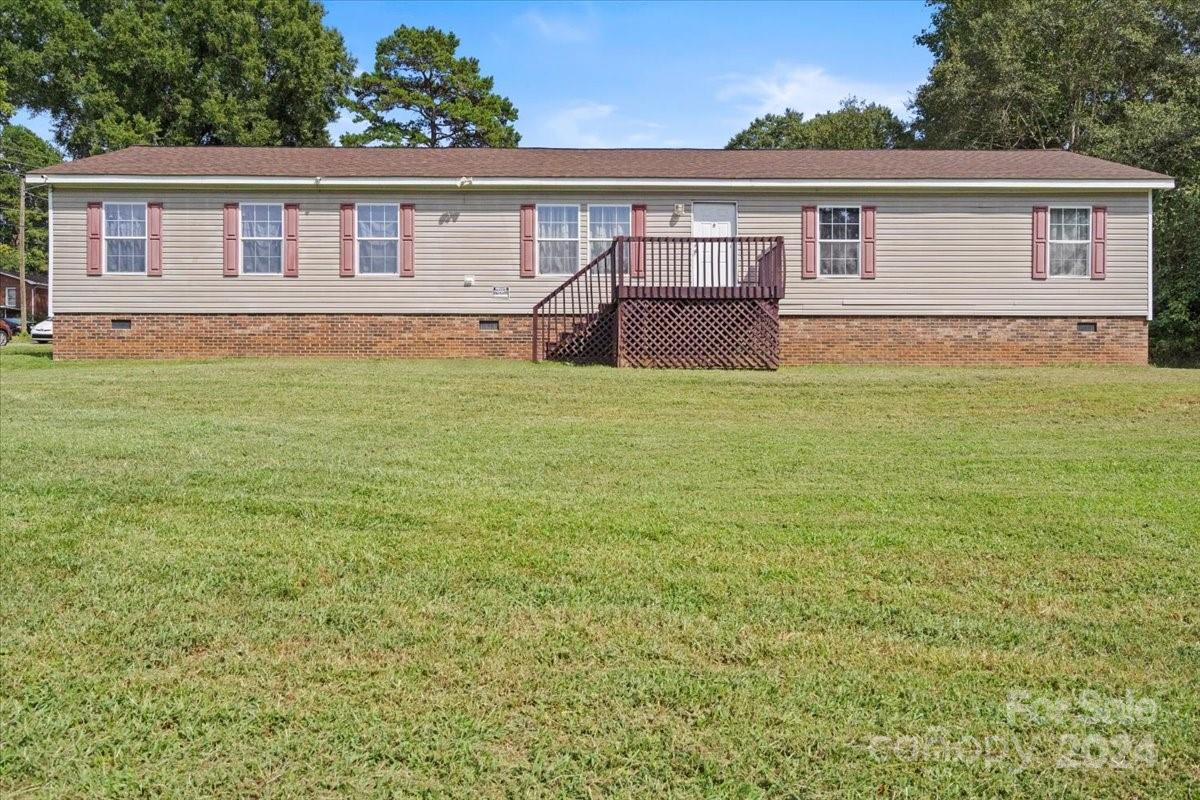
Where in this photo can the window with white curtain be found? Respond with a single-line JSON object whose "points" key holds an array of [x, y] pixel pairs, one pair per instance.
{"points": [[1070, 242], [838, 241], [558, 239], [605, 223], [124, 237], [262, 238], [378, 238]]}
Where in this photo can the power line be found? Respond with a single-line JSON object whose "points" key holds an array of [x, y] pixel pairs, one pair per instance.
{"points": [[22, 164]]}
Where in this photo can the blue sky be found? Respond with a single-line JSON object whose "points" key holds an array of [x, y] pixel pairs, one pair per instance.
{"points": [[667, 74]]}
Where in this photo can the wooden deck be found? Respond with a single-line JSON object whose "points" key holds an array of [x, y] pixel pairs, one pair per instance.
{"points": [[678, 302]]}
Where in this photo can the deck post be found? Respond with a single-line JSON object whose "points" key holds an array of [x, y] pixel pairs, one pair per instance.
{"points": [[618, 329], [533, 322], [619, 310]]}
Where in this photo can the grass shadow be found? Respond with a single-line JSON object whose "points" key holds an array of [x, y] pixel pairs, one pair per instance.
{"points": [[29, 349]]}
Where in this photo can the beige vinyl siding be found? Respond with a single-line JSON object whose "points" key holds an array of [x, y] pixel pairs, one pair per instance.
{"points": [[953, 253], [963, 254]]}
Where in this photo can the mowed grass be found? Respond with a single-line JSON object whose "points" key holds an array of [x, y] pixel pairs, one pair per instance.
{"points": [[272, 578]]}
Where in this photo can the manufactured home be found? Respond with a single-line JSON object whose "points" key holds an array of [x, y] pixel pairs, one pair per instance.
{"points": [[642, 257]]}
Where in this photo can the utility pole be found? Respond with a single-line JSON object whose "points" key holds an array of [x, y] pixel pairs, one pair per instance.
{"points": [[21, 254]]}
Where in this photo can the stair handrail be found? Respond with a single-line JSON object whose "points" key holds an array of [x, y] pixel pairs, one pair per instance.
{"points": [[551, 300]]}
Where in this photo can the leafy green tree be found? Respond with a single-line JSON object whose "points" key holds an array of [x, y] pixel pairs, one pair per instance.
{"points": [[1117, 79], [443, 100], [6, 108], [113, 73], [856, 125], [22, 150]]}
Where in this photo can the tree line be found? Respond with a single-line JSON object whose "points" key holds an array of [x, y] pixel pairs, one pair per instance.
{"points": [[1118, 79]]}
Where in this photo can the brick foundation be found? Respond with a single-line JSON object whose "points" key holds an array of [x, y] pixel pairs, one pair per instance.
{"points": [[962, 341], [348, 335], [802, 340]]}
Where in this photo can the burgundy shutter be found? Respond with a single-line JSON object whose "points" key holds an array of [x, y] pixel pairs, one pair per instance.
{"points": [[291, 240], [528, 221], [154, 213], [808, 267], [407, 221], [1099, 236], [346, 250], [95, 219], [867, 268], [230, 251], [1040, 221], [637, 227]]}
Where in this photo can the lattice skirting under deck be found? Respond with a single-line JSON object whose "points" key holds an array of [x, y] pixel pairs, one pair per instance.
{"points": [[699, 334]]}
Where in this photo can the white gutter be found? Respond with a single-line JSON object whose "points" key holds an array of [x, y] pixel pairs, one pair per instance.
{"points": [[461, 184]]}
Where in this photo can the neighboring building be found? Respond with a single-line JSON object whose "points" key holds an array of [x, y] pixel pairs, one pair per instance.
{"points": [[37, 295], [735, 258]]}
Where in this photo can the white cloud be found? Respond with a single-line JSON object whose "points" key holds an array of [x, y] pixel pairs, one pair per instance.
{"points": [[592, 124], [804, 87], [561, 29], [577, 125], [343, 124], [580, 124]]}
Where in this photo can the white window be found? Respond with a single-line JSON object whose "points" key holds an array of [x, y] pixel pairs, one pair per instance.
{"points": [[1070, 242], [124, 237], [378, 238], [838, 241], [10, 297], [558, 240], [262, 238], [605, 223]]}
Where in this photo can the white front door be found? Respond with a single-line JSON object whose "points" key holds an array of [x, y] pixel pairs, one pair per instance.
{"points": [[714, 263]]}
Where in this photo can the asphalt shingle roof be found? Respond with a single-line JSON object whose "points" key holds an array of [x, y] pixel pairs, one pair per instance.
{"points": [[535, 162]]}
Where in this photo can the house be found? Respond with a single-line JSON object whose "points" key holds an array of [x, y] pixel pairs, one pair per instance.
{"points": [[639, 256], [37, 295]]}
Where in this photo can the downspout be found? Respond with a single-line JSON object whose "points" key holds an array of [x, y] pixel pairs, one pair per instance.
{"points": [[1149, 255], [49, 250]]}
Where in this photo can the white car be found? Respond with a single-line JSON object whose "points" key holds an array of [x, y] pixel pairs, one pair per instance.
{"points": [[43, 331]]}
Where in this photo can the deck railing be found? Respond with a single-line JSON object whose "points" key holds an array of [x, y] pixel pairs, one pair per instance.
{"points": [[734, 267], [675, 266]]}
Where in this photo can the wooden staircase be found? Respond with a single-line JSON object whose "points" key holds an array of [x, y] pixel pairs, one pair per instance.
{"points": [[589, 340], [668, 302]]}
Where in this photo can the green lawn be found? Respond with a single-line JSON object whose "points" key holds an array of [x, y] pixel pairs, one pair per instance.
{"points": [[283, 577]]}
